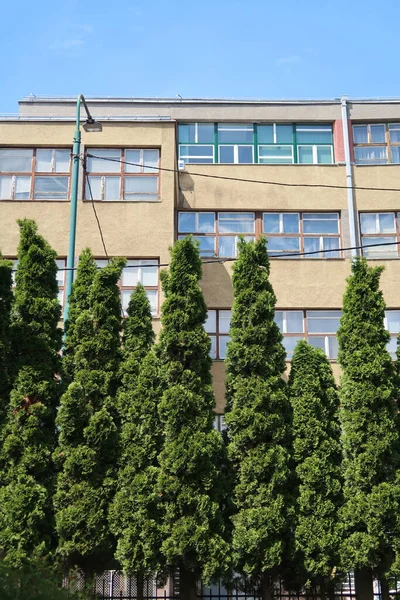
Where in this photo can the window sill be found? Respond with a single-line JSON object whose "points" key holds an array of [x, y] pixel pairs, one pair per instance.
{"points": [[86, 201], [260, 165], [35, 201]]}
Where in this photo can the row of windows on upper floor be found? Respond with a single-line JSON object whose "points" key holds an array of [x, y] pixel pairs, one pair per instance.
{"points": [[282, 143], [289, 233]]}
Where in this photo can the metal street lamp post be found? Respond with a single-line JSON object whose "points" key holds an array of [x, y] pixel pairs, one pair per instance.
{"points": [[90, 125]]}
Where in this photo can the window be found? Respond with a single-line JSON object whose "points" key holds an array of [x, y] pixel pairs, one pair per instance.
{"points": [[34, 174], [318, 327], [246, 143], [144, 271], [376, 143], [217, 326], [392, 324], [380, 228], [303, 232], [217, 233], [112, 180], [219, 423]]}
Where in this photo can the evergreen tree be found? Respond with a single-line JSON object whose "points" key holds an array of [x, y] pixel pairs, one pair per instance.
{"points": [[87, 450], [138, 337], [6, 298], [317, 457], [134, 517], [26, 474], [258, 417], [78, 304], [190, 484], [370, 437]]}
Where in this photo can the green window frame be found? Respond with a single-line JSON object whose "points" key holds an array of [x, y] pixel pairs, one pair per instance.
{"points": [[255, 143]]}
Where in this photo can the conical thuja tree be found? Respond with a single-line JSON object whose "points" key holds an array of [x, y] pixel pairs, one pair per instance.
{"points": [[370, 437], [26, 471], [78, 304], [87, 450], [190, 484], [6, 298], [134, 513], [317, 456], [258, 417], [138, 337]]}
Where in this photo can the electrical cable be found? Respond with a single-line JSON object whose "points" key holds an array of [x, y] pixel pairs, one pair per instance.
{"points": [[96, 215], [240, 179]]}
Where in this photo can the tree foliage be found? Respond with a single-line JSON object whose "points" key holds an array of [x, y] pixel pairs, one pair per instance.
{"points": [[258, 417], [368, 414], [87, 450], [6, 298], [317, 457], [189, 481], [26, 474]]}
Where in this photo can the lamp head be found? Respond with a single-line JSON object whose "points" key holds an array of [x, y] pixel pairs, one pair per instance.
{"points": [[92, 126]]}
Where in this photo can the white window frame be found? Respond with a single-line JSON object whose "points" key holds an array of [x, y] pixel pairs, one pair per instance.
{"points": [[236, 153], [275, 158], [187, 159], [315, 153]]}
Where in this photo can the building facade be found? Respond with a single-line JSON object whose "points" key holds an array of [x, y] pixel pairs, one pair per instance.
{"points": [[318, 178]]}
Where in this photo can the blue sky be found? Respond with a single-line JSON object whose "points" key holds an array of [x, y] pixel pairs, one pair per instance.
{"points": [[210, 48]]}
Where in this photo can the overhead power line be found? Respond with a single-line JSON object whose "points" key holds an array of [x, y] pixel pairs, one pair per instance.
{"points": [[243, 180]]}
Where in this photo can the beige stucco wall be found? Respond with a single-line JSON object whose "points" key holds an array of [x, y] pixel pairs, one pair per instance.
{"points": [[374, 111], [377, 176], [133, 229]]}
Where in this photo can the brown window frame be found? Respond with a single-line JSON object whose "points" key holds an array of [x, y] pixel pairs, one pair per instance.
{"points": [[258, 231], [122, 175], [386, 144], [217, 333], [33, 174], [395, 234], [125, 288]]}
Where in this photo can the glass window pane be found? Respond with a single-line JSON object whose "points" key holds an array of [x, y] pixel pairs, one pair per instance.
{"points": [[290, 222], [377, 134], [294, 321], [245, 154], [101, 165], [205, 223], [149, 273], [305, 155], [271, 223], [265, 134], [60, 273], [227, 246], [95, 186], [386, 223], [224, 320], [150, 161], [186, 133], [152, 296], [231, 133], [130, 274], [43, 160], [314, 134], [111, 188], [323, 321], [5, 188], [48, 188], [331, 246], [207, 244], [313, 244], [213, 349], [226, 154], [125, 298], [22, 188], [284, 134], [210, 325], [223, 343], [141, 188], [275, 154], [360, 134], [333, 347], [236, 222], [379, 251], [133, 156], [370, 155], [62, 160], [369, 223], [320, 223], [394, 129], [281, 244], [393, 321], [289, 343], [186, 222], [324, 155], [317, 342], [205, 133], [197, 154], [15, 160], [392, 347], [395, 154], [279, 319], [191, 222]]}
